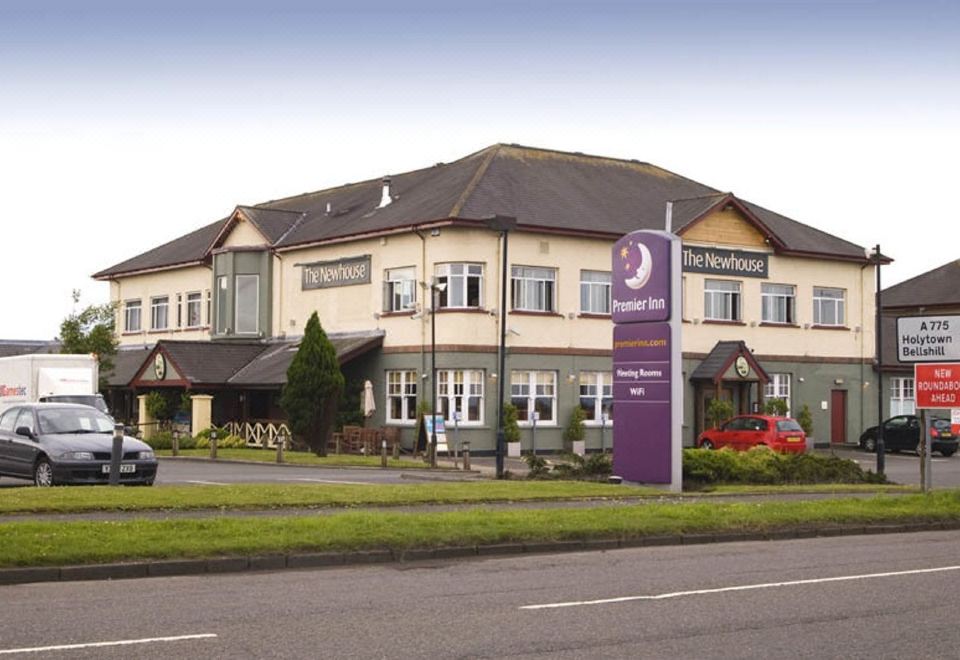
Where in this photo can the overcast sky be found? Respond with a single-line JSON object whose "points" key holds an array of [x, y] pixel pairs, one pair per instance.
{"points": [[124, 125]]}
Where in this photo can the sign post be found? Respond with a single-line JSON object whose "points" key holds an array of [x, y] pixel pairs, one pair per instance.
{"points": [[647, 387], [936, 386]]}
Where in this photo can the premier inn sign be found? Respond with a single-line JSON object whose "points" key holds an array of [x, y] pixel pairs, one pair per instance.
{"points": [[724, 262], [342, 272]]}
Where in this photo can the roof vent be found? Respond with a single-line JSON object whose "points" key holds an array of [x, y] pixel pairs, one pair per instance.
{"points": [[385, 198], [329, 208]]}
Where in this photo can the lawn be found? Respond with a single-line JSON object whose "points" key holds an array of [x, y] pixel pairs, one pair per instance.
{"points": [[39, 543]]}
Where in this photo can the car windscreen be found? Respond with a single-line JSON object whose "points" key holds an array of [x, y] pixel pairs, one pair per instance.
{"points": [[94, 400], [73, 420], [788, 425], [941, 424]]}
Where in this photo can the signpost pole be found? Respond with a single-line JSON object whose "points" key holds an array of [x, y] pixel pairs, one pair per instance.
{"points": [[924, 451], [879, 305]]}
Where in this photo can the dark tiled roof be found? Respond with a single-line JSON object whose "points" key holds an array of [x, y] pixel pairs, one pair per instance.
{"points": [[710, 368], [270, 367], [210, 362], [543, 189], [938, 287], [126, 364], [12, 347], [189, 248], [273, 224]]}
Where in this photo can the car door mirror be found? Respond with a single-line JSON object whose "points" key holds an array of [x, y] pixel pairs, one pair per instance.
{"points": [[25, 432]]}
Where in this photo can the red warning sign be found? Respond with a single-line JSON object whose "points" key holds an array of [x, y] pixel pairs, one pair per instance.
{"points": [[937, 385]]}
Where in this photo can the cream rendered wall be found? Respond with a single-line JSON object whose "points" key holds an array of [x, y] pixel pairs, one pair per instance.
{"points": [[244, 234], [169, 283], [854, 340], [357, 307]]}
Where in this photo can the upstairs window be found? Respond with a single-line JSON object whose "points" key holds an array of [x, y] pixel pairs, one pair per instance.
{"points": [[464, 285], [131, 316], [193, 310], [828, 306], [400, 290], [534, 289], [247, 304], [721, 300], [594, 292], [223, 321], [778, 303], [159, 312]]}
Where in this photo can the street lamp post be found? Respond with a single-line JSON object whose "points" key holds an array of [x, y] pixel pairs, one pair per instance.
{"points": [[879, 303], [502, 224], [434, 289]]}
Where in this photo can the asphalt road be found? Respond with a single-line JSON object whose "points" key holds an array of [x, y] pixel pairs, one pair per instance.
{"points": [[816, 598], [904, 468]]}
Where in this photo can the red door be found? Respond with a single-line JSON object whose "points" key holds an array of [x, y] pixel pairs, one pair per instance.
{"points": [[838, 416]]}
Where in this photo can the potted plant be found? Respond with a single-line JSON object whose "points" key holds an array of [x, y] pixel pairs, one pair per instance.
{"points": [[719, 411], [805, 420], [511, 430], [573, 434]]}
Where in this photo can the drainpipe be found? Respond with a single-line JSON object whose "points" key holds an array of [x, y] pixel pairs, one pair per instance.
{"points": [[423, 317]]}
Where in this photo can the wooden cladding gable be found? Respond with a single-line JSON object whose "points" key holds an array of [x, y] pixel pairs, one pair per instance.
{"points": [[726, 226]]}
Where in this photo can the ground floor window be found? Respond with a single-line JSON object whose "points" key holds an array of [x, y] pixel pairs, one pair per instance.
{"points": [[401, 397], [534, 391], [778, 387], [461, 391], [596, 397], [901, 396]]}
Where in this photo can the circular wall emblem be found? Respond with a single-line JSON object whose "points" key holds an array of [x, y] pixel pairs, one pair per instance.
{"points": [[160, 366], [742, 366]]}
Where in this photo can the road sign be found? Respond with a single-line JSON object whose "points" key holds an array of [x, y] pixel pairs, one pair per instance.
{"points": [[928, 338], [937, 385]]}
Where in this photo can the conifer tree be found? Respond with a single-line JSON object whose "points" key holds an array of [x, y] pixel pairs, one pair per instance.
{"points": [[313, 390]]}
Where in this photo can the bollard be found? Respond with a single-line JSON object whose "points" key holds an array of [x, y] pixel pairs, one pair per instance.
{"points": [[213, 444], [175, 447], [383, 453], [466, 455], [396, 449], [116, 453], [280, 440]]}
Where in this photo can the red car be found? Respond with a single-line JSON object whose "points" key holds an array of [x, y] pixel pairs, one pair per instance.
{"points": [[748, 431]]}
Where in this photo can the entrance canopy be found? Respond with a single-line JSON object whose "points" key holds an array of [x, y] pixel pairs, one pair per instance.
{"points": [[730, 361]]}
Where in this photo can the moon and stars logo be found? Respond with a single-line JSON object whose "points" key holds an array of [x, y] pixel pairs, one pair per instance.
{"points": [[636, 264]]}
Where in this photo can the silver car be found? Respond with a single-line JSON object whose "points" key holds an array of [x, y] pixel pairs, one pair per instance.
{"points": [[59, 443]]}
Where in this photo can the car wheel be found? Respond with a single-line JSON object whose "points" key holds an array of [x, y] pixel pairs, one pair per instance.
{"points": [[706, 444], [43, 473], [948, 452], [869, 444]]}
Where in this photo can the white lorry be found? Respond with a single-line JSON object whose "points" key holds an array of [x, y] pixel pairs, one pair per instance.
{"points": [[50, 377]]}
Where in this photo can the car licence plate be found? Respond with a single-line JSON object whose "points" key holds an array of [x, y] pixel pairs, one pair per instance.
{"points": [[125, 468], [793, 439]]}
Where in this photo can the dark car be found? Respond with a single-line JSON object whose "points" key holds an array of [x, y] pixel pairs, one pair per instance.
{"points": [[748, 431], [60, 443], [903, 433]]}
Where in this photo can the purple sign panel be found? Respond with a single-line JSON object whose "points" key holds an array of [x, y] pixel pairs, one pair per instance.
{"points": [[641, 278], [642, 436]]}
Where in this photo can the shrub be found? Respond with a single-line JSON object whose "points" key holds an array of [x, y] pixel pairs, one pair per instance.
{"points": [[805, 420], [161, 440], [777, 407], [511, 429], [575, 428], [596, 467], [719, 411], [703, 467], [158, 406]]}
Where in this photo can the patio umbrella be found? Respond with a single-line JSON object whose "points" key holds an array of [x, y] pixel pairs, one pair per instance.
{"points": [[367, 402]]}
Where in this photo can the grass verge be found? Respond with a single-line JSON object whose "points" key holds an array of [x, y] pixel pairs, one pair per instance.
{"points": [[277, 496], [298, 458], [58, 543]]}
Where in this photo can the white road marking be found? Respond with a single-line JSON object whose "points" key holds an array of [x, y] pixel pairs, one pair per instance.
{"points": [[90, 645], [743, 587], [206, 483], [331, 481]]}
